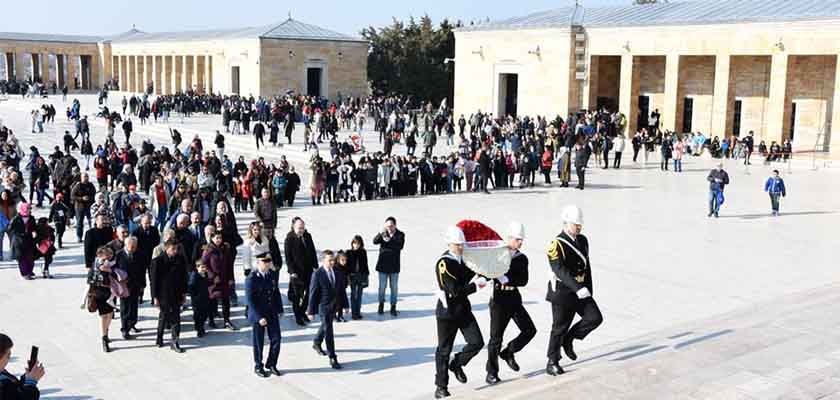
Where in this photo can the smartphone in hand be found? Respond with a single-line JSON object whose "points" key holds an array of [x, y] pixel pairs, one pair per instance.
{"points": [[33, 357]]}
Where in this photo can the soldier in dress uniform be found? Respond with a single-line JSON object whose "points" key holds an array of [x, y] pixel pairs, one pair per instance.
{"points": [[506, 304], [454, 312], [264, 306], [569, 289]]}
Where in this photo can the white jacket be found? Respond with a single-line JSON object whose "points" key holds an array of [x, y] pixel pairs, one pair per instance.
{"points": [[618, 144], [252, 250]]}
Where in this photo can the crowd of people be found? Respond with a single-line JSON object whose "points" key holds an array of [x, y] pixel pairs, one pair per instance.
{"points": [[166, 217]]}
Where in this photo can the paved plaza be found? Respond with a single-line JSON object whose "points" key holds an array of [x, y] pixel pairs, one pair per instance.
{"points": [[743, 306]]}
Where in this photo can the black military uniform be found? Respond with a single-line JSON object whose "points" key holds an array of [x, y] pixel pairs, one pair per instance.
{"points": [[454, 312], [569, 260], [505, 305]]}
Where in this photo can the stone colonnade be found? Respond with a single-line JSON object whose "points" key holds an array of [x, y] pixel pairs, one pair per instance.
{"points": [[164, 74], [79, 70]]}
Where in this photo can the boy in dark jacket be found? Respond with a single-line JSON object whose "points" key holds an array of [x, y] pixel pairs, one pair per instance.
{"points": [[198, 287], [59, 214]]}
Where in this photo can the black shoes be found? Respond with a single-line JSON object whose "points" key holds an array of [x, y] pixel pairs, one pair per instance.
{"points": [[259, 371], [127, 336], [106, 344], [275, 371], [201, 333], [231, 326], [381, 309], [508, 358], [492, 379], [135, 330], [458, 372], [394, 312], [159, 343], [569, 349], [212, 324], [334, 363], [300, 322], [319, 350], [441, 392], [554, 369], [357, 317], [176, 347]]}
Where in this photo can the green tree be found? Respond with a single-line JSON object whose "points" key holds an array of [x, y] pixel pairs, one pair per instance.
{"points": [[407, 58]]}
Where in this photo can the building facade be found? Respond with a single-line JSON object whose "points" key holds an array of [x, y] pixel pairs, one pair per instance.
{"points": [[261, 61], [768, 66]]}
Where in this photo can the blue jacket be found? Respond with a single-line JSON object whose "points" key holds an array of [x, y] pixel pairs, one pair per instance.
{"points": [[325, 295], [775, 185], [263, 296]]}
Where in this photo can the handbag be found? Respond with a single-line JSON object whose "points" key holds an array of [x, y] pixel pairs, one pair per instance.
{"points": [[90, 300]]}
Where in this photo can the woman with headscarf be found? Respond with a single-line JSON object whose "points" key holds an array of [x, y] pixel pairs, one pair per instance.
{"points": [[22, 228], [219, 261]]}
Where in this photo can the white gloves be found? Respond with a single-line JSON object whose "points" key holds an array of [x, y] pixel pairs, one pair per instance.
{"points": [[503, 279], [583, 293], [480, 282]]}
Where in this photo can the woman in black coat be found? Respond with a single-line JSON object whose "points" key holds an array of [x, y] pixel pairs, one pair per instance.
{"points": [[357, 264], [22, 232]]}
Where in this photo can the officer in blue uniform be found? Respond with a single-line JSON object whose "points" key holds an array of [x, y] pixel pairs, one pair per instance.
{"points": [[263, 298]]}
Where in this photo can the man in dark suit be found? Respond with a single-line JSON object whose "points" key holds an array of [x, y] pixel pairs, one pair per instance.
{"points": [[148, 237], [570, 290], [128, 259], [302, 261], [582, 153], [327, 286], [169, 291], [391, 241], [264, 306]]}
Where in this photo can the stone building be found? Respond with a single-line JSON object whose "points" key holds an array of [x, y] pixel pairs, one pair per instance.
{"points": [[721, 68], [264, 60]]}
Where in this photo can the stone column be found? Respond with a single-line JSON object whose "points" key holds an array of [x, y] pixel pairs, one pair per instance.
{"points": [[188, 72], [777, 110], [628, 97], [123, 73], [141, 73], [208, 74], [198, 76], [45, 67], [833, 144], [722, 102], [72, 61], [590, 93], [129, 74], [166, 77], [672, 83], [60, 65], [157, 66], [20, 66], [178, 73]]}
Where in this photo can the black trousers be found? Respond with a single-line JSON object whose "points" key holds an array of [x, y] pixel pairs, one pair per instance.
{"points": [[169, 315], [581, 174], [635, 153], [325, 331], [299, 297], [258, 341], [617, 161], [562, 313], [500, 315], [128, 313], [201, 311], [446, 331], [606, 157], [225, 300]]}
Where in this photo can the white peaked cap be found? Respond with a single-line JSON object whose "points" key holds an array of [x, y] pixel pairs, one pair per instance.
{"points": [[454, 235]]}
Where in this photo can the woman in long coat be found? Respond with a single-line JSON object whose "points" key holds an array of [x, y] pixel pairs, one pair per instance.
{"points": [[219, 261], [22, 228]]}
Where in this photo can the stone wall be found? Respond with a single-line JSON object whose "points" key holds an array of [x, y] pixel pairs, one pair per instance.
{"points": [[344, 66], [544, 80], [696, 81], [810, 85]]}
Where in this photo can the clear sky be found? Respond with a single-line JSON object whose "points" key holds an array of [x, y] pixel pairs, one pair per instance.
{"points": [[105, 17]]}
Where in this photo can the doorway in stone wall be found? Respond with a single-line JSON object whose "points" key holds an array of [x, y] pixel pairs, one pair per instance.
{"points": [[508, 94], [313, 81]]}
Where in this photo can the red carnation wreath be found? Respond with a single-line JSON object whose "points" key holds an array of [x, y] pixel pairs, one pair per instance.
{"points": [[484, 251]]}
